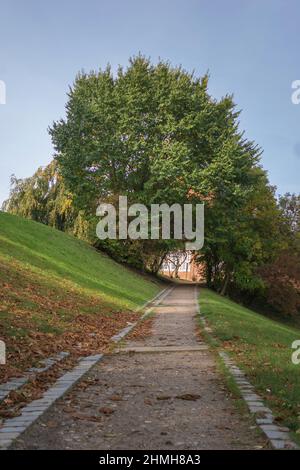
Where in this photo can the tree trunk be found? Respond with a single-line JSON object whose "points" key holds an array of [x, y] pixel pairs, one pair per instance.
{"points": [[208, 274], [224, 287]]}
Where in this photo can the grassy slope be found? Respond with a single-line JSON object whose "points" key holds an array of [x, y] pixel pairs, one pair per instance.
{"points": [[52, 284], [61, 257], [262, 348]]}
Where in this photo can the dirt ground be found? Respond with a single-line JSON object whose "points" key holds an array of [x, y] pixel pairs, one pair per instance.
{"points": [[159, 392]]}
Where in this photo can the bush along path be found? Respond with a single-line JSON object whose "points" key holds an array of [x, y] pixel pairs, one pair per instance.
{"points": [[160, 391]]}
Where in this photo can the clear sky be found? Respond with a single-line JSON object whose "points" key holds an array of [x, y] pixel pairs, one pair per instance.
{"points": [[250, 47]]}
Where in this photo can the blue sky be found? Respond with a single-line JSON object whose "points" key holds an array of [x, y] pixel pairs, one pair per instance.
{"points": [[249, 47]]}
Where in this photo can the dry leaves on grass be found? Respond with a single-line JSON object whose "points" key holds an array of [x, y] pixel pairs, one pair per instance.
{"points": [[44, 320], [87, 335]]}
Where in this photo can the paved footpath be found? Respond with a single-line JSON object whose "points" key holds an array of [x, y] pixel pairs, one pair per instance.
{"points": [[162, 392]]}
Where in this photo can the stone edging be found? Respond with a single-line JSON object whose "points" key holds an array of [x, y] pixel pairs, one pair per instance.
{"points": [[17, 382], [14, 427], [278, 436]]}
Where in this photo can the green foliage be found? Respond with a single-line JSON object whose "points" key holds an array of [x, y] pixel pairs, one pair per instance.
{"points": [[153, 133], [44, 198], [290, 206], [242, 238], [281, 274]]}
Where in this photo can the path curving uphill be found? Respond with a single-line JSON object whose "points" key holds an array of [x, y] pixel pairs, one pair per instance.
{"points": [[162, 392]]}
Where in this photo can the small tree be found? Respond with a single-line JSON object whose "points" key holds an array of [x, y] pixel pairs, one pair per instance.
{"points": [[176, 259], [43, 197]]}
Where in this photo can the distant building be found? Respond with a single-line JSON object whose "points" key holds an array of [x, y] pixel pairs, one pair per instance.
{"points": [[182, 265]]}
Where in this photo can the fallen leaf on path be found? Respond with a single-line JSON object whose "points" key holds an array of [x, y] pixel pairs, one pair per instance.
{"points": [[116, 398], [68, 409], [188, 396], [106, 411], [84, 417], [50, 424]]}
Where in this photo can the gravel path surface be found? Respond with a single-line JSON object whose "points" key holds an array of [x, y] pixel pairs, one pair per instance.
{"points": [[159, 399]]}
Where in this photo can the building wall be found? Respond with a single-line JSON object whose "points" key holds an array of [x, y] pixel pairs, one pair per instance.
{"points": [[189, 270]]}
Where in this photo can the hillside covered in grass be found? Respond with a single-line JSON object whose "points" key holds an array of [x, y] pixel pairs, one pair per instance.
{"points": [[58, 293], [262, 348]]}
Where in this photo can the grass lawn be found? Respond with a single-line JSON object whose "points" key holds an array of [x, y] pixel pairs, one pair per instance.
{"points": [[262, 348], [57, 292]]}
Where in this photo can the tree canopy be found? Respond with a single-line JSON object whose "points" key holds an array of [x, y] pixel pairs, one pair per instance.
{"points": [[153, 133]]}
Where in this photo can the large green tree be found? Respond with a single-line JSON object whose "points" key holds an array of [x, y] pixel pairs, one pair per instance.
{"points": [[153, 133]]}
